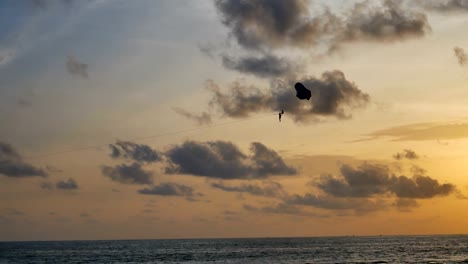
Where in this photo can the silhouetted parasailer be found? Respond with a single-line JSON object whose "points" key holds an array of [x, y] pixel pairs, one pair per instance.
{"points": [[302, 92], [280, 114]]}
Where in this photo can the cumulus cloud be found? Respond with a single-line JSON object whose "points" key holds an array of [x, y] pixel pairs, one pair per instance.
{"points": [[370, 180], [12, 164], [128, 174], [262, 24], [272, 24], [224, 160], [169, 189], [268, 189], [69, 184], [461, 55], [201, 119], [389, 22], [332, 95], [76, 68], [133, 151], [368, 188], [262, 66], [406, 154]]}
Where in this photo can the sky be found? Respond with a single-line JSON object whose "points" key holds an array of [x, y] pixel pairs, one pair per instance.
{"points": [[159, 119]]}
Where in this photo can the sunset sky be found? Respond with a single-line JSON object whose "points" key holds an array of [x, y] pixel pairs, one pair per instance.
{"points": [[159, 119]]}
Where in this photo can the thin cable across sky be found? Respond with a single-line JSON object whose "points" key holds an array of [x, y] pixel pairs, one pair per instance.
{"points": [[146, 137]]}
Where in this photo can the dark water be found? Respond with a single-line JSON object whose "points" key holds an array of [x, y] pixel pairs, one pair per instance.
{"points": [[383, 249]]}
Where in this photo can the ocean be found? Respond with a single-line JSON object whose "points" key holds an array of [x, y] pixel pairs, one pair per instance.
{"points": [[378, 249]]}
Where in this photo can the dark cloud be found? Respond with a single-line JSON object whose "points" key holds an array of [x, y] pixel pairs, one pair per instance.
{"points": [[208, 49], [268, 162], [24, 102], [359, 205], [133, 151], [269, 189], [461, 55], [372, 180], [12, 212], [261, 66], [446, 5], [240, 101], [51, 168], [69, 184], [128, 174], [332, 95], [369, 180], [224, 160], [49, 3], [422, 132], [47, 185], [281, 208], [76, 68], [168, 189], [201, 119], [389, 22], [271, 24], [421, 187], [12, 164], [406, 154], [262, 24]]}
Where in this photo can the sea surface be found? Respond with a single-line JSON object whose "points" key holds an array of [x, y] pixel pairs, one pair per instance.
{"points": [[379, 249]]}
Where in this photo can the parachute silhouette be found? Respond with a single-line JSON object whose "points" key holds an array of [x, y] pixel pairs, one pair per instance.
{"points": [[302, 92]]}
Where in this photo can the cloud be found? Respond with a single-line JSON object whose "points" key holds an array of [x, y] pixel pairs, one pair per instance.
{"points": [[128, 174], [224, 160], [201, 119], [262, 24], [168, 189], [12, 212], [51, 168], [461, 55], [269, 188], [242, 100], [368, 188], [273, 24], [421, 187], [6, 56], [387, 23], [268, 162], [422, 132], [406, 154], [446, 5], [265, 66], [281, 208], [12, 165], [332, 95], [370, 180], [76, 68], [47, 185], [133, 151], [359, 205], [48, 3], [69, 184]]}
